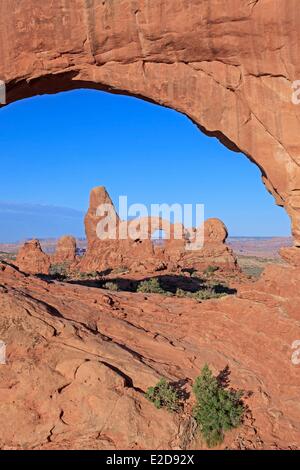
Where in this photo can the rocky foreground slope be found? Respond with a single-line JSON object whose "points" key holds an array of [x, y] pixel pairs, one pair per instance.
{"points": [[80, 359]]}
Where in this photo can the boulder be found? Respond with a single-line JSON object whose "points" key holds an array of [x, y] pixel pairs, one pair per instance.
{"points": [[213, 252]]}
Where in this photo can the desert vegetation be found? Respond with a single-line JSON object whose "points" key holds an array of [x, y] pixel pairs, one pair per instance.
{"points": [[7, 256], [164, 395], [192, 287], [211, 270], [205, 292], [151, 286], [217, 408], [112, 286], [210, 292], [59, 271]]}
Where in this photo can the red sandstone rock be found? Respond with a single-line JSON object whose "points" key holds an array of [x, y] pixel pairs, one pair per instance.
{"points": [[90, 358], [134, 252], [215, 231], [214, 252], [31, 258], [226, 66], [65, 251], [98, 197], [291, 255], [138, 253], [279, 280]]}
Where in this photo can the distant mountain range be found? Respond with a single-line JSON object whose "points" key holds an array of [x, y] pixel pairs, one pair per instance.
{"points": [[21, 221]]}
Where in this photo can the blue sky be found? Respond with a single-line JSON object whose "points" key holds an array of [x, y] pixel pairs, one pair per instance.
{"points": [[54, 149]]}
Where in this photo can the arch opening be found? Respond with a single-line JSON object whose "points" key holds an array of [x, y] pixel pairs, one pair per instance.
{"points": [[188, 170], [220, 87], [70, 81]]}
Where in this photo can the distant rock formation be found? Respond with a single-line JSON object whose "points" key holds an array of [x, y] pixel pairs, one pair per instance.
{"points": [[215, 252], [195, 249], [140, 254], [31, 258], [65, 251], [215, 231], [98, 197]]}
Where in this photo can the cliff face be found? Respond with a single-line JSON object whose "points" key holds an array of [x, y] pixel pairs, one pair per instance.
{"points": [[228, 65]]}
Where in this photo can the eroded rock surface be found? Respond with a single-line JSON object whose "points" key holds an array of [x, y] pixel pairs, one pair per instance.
{"points": [[137, 252], [31, 258], [76, 370], [215, 253], [99, 201], [291, 255], [65, 251]]}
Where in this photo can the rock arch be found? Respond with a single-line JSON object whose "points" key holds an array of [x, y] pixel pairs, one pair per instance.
{"points": [[229, 68]]}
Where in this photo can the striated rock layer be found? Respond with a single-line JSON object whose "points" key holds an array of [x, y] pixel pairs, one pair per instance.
{"points": [[76, 370], [229, 66]]}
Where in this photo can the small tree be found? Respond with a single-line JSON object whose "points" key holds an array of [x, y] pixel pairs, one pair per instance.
{"points": [[150, 286], [60, 271], [218, 410], [163, 395], [112, 286]]}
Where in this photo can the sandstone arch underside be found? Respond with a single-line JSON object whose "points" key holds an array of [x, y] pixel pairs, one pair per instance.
{"points": [[229, 65]]}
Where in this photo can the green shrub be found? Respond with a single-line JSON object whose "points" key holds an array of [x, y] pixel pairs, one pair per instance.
{"points": [[182, 293], [203, 294], [218, 410], [151, 286], [120, 270], [211, 269], [94, 275], [195, 275], [164, 395], [207, 293], [60, 271], [113, 286]]}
